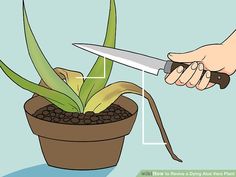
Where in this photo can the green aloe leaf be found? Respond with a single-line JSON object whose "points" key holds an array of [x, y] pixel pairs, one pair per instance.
{"points": [[43, 68], [92, 85], [59, 99]]}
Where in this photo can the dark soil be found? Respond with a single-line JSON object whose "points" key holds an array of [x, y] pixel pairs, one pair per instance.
{"points": [[51, 113]]}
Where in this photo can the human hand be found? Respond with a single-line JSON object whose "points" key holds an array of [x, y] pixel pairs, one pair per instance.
{"points": [[215, 57]]}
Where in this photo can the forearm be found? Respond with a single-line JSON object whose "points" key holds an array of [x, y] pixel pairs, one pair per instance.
{"points": [[230, 45], [231, 40]]}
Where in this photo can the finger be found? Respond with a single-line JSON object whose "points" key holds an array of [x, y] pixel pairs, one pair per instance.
{"points": [[187, 74], [210, 85], [205, 81], [195, 55], [174, 75], [196, 77]]}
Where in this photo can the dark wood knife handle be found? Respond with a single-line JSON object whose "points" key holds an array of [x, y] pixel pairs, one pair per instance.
{"points": [[216, 77]]}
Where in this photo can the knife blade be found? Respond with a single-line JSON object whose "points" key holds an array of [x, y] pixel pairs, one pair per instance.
{"points": [[146, 63]]}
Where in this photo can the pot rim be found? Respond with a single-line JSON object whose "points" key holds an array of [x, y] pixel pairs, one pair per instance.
{"points": [[27, 102], [84, 133]]}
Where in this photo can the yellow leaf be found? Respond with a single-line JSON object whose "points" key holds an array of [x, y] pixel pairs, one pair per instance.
{"points": [[105, 97], [73, 78]]}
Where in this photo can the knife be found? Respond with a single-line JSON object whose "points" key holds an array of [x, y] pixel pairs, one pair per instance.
{"points": [[147, 63]]}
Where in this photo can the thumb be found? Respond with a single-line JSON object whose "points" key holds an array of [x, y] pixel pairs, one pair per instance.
{"points": [[195, 55]]}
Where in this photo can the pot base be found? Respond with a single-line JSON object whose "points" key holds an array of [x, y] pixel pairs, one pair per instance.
{"points": [[81, 155]]}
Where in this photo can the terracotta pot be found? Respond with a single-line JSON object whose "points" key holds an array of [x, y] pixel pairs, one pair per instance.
{"points": [[80, 146]]}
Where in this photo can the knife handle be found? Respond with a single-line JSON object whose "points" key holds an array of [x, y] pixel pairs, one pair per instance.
{"points": [[216, 77]]}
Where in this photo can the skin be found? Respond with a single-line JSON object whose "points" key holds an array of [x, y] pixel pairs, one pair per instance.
{"points": [[213, 57]]}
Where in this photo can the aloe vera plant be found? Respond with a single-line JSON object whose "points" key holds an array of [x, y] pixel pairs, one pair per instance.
{"points": [[77, 94]]}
